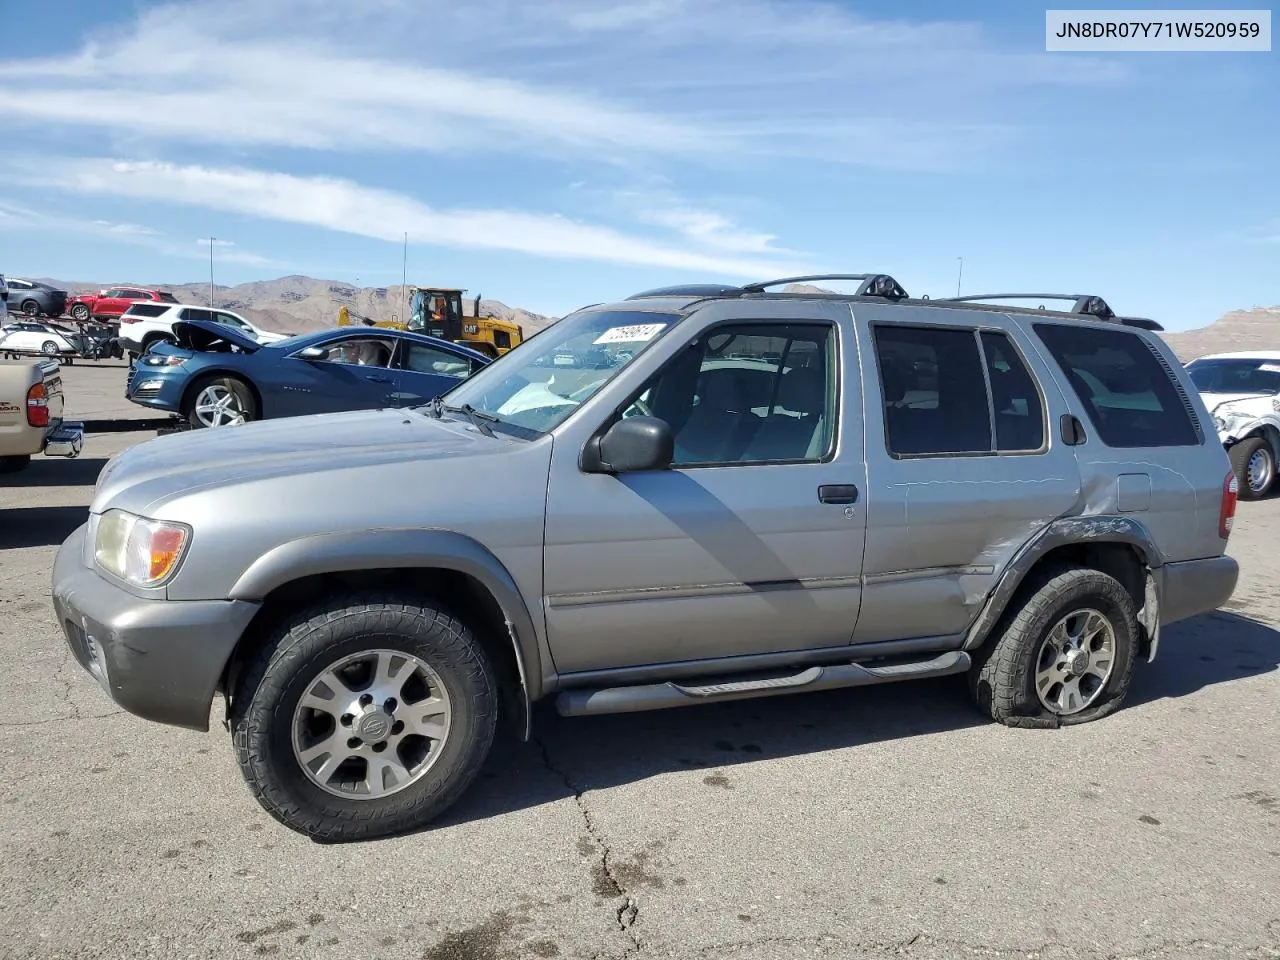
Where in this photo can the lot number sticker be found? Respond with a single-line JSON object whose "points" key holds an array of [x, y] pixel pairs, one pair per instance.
{"points": [[636, 333]]}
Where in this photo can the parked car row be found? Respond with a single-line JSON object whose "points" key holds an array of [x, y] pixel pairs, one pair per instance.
{"points": [[24, 337], [214, 374]]}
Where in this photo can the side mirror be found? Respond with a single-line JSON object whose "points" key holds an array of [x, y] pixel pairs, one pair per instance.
{"points": [[637, 443], [311, 353]]}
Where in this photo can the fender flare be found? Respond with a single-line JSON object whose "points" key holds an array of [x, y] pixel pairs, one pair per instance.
{"points": [[1075, 531], [402, 548]]}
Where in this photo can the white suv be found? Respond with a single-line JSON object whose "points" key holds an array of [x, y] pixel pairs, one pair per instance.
{"points": [[148, 322], [1242, 391]]}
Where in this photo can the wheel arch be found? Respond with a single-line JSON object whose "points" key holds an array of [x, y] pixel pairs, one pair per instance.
{"points": [[448, 567], [1116, 545]]}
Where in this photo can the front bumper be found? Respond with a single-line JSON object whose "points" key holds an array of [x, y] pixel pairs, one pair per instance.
{"points": [[154, 387], [1196, 586], [159, 659]]}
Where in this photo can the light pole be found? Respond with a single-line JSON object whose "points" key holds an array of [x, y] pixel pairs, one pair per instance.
{"points": [[211, 242], [961, 274]]}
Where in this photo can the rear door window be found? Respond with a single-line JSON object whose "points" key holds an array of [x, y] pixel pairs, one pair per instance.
{"points": [[935, 394], [1019, 412], [1128, 393]]}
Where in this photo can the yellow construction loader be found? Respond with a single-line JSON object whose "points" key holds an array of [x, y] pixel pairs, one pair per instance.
{"points": [[437, 312]]}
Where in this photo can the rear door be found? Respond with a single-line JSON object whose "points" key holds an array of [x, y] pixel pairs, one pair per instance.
{"points": [[424, 371], [964, 466]]}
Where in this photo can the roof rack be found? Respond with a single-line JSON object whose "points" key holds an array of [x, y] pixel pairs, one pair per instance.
{"points": [[1084, 304], [690, 290], [873, 284]]}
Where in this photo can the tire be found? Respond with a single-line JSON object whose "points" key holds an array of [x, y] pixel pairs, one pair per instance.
{"points": [[269, 726], [14, 464], [239, 403], [49, 348], [80, 312], [1003, 677], [1253, 457], [30, 308]]}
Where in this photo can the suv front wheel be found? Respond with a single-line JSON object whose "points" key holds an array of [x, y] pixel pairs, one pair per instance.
{"points": [[364, 717], [1065, 655]]}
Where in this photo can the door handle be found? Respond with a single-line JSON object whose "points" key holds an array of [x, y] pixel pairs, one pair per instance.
{"points": [[376, 379], [838, 493]]}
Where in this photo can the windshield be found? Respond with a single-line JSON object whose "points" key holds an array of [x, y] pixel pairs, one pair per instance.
{"points": [[543, 380], [1236, 376]]}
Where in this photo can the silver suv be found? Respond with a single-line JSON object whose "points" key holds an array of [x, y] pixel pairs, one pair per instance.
{"points": [[694, 495]]}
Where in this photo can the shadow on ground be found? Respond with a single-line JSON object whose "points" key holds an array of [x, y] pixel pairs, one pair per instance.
{"points": [[38, 526], [593, 753], [55, 472]]}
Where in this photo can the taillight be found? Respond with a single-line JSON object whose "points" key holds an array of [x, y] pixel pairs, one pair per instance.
{"points": [[127, 319], [38, 406], [1230, 490]]}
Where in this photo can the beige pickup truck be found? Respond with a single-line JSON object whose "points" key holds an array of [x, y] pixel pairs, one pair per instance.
{"points": [[31, 419]]}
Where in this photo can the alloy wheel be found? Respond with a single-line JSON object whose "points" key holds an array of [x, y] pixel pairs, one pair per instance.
{"points": [[1075, 662], [371, 724], [216, 406]]}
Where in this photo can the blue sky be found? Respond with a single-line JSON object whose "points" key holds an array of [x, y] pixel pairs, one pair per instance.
{"points": [[563, 152]]}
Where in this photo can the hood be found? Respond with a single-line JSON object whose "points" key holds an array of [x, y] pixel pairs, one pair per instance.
{"points": [[1215, 400], [143, 477], [206, 335]]}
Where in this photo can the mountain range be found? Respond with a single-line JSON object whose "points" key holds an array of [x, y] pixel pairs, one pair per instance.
{"points": [[297, 304]]}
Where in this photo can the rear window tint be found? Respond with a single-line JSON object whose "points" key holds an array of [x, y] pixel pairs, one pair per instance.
{"points": [[1128, 395], [146, 310]]}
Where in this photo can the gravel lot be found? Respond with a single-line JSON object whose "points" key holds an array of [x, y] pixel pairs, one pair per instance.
{"points": [[864, 823]]}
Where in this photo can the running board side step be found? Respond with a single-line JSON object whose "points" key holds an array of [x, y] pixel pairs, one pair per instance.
{"points": [[659, 696]]}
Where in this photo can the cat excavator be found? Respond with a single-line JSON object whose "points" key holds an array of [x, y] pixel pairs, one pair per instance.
{"points": [[437, 312]]}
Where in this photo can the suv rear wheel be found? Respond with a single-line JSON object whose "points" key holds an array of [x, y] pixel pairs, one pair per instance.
{"points": [[1064, 656], [364, 717]]}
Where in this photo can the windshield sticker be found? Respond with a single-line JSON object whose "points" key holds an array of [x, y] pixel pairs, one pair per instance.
{"points": [[636, 333]]}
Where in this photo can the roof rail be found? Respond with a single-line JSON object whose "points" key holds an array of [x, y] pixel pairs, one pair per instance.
{"points": [[690, 290], [1084, 304], [873, 284]]}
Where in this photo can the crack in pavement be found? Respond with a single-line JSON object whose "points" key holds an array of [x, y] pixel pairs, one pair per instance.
{"points": [[627, 914], [77, 715]]}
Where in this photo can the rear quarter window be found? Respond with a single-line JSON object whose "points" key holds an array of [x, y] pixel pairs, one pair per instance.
{"points": [[146, 310], [1129, 395]]}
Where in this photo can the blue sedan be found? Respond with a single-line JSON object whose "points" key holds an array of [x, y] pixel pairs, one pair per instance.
{"points": [[216, 376]]}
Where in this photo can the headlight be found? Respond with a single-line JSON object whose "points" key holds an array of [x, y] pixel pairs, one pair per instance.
{"points": [[141, 551], [163, 360]]}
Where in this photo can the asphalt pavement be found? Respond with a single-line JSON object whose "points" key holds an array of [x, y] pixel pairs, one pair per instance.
{"points": [[875, 822]]}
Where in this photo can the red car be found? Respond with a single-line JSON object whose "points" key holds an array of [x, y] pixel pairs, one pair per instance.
{"points": [[113, 302]]}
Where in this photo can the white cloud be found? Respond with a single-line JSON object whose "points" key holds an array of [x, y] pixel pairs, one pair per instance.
{"points": [[345, 206], [16, 218], [713, 80]]}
